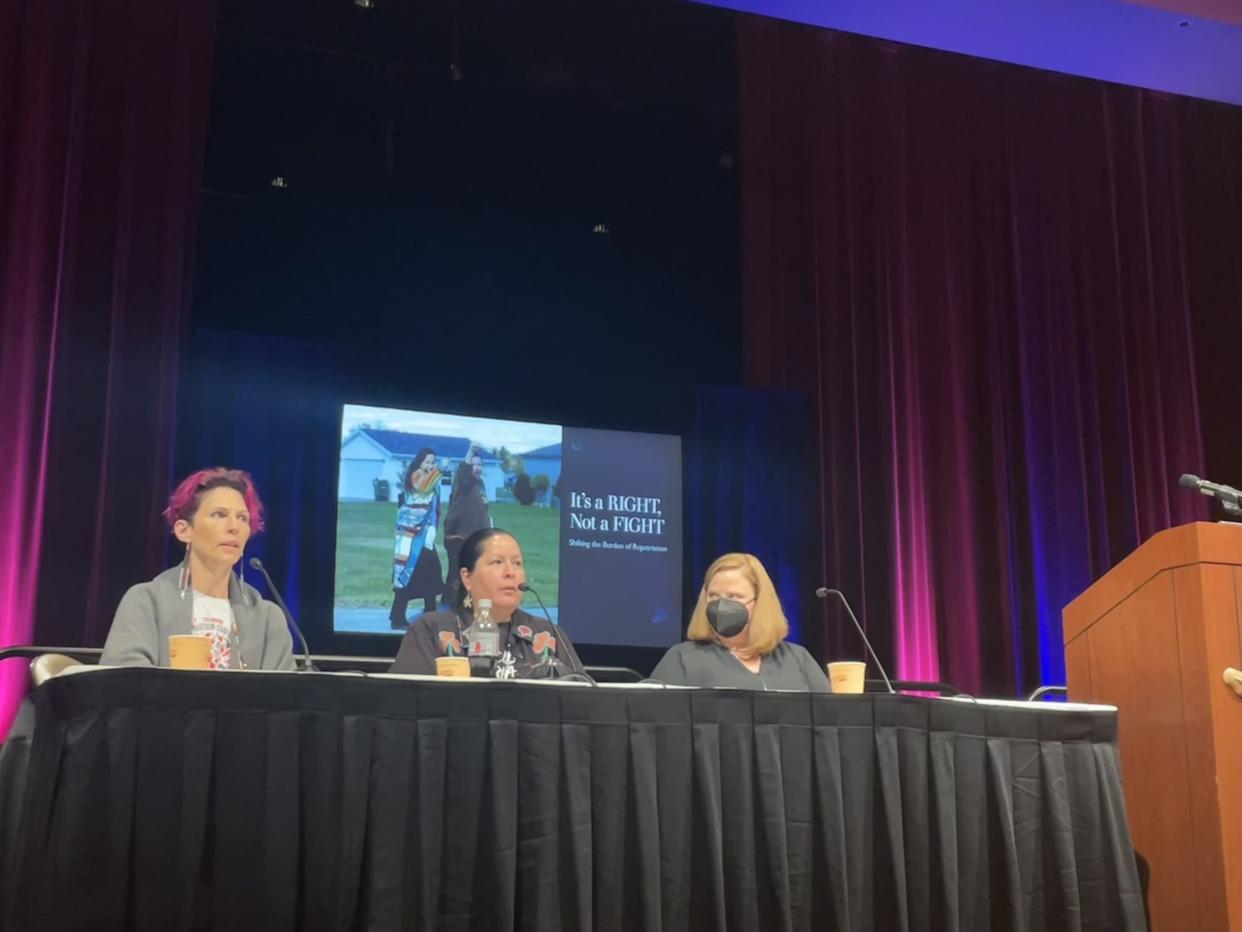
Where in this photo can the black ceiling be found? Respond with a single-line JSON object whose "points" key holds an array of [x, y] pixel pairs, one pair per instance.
{"points": [[469, 196], [622, 103]]}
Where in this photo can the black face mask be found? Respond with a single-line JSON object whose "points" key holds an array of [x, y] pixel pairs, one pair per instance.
{"points": [[727, 618]]}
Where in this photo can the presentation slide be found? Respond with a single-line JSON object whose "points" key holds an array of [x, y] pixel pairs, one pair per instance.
{"points": [[621, 537], [597, 513]]}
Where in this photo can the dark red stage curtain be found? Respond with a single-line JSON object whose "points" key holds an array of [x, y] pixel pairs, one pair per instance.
{"points": [[103, 116], [1013, 300]]}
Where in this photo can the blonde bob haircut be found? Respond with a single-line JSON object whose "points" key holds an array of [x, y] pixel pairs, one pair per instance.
{"points": [[768, 626]]}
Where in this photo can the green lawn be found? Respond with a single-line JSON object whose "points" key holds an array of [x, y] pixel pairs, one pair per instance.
{"points": [[364, 550]]}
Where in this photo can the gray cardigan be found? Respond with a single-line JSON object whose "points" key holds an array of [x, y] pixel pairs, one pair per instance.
{"points": [[149, 612]]}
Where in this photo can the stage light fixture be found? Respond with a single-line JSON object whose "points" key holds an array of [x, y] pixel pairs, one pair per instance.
{"points": [[279, 182]]}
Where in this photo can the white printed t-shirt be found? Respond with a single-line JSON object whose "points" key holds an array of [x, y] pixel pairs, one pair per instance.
{"points": [[213, 618]]}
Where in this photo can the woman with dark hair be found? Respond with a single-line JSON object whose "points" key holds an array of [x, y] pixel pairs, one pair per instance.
{"points": [[213, 512], [415, 563], [467, 513], [491, 571]]}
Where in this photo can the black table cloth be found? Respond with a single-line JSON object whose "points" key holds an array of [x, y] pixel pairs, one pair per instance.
{"points": [[162, 800]]}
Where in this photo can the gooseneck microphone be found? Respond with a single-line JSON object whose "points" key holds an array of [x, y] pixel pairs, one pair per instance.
{"points": [[823, 593], [1230, 498], [526, 587], [554, 666], [304, 662], [548, 667]]}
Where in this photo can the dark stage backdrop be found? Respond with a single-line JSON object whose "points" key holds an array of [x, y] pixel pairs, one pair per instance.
{"points": [[994, 283], [103, 116], [748, 480]]}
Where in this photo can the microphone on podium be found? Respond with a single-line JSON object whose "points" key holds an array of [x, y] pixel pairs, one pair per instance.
{"points": [[822, 593], [304, 662], [1230, 498]]}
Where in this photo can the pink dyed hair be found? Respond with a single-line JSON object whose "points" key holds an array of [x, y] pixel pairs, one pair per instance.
{"points": [[188, 495]]}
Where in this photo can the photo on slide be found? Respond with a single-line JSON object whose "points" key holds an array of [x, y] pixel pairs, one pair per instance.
{"points": [[413, 485]]}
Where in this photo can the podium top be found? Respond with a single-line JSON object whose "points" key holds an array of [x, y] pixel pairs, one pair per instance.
{"points": [[1185, 545]]}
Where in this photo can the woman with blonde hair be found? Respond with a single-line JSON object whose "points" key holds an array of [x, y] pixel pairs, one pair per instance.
{"points": [[737, 635]]}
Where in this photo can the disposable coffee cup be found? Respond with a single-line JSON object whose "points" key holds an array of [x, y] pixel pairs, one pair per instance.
{"points": [[847, 676], [189, 652], [453, 667]]}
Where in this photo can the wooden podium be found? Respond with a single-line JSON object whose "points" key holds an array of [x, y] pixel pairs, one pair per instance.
{"points": [[1153, 637]]}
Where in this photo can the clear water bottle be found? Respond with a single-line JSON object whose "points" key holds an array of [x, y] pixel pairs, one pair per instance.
{"points": [[483, 637]]}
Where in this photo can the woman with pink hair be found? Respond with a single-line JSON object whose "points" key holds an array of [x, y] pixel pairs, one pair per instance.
{"points": [[213, 512]]}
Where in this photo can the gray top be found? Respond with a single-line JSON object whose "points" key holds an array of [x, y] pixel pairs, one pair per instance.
{"points": [[706, 663], [149, 612]]}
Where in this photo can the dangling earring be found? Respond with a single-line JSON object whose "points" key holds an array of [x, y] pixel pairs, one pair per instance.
{"points": [[467, 602], [241, 580], [183, 581]]}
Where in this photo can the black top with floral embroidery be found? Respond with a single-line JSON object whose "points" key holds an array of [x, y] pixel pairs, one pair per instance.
{"points": [[530, 646]]}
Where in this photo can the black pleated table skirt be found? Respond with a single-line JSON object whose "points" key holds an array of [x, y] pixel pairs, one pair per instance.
{"points": [[164, 800]]}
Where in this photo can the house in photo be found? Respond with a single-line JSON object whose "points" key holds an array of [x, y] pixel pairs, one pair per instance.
{"points": [[370, 454]]}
